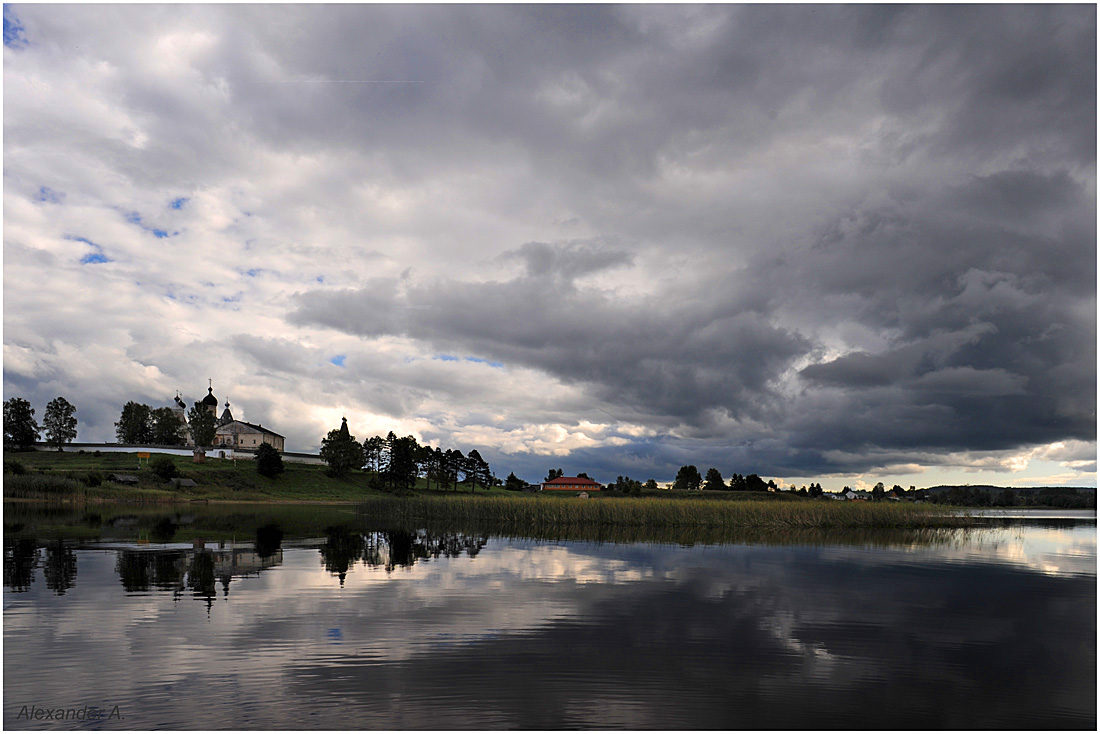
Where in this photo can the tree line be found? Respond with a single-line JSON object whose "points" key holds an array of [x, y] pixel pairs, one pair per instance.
{"points": [[141, 424], [398, 463], [22, 432]]}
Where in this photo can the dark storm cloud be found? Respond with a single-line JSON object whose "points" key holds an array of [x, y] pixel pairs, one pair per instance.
{"points": [[664, 363]]}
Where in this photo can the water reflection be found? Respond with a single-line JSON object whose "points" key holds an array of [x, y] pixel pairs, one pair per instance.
{"points": [[400, 628], [20, 560]]}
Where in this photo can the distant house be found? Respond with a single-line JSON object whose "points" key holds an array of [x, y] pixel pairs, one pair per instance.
{"points": [[182, 482], [122, 478], [571, 484]]}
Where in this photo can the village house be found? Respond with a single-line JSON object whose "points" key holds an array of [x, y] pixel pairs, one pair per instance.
{"points": [[572, 484]]}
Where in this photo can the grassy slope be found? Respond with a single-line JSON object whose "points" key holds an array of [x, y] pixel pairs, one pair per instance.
{"points": [[217, 479]]}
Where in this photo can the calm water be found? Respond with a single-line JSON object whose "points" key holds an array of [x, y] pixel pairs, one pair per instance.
{"points": [[361, 628]]}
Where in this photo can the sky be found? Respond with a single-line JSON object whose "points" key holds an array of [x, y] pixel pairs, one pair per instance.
{"points": [[843, 244]]}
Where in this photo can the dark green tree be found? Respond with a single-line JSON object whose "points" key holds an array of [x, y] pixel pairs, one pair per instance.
{"points": [[134, 425], [372, 453], [753, 483], [20, 427], [164, 468], [59, 422], [166, 428], [513, 482], [714, 480], [203, 425], [553, 474], [477, 470], [403, 468], [651, 484], [454, 462], [878, 492], [687, 478], [269, 463], [341, 451]]}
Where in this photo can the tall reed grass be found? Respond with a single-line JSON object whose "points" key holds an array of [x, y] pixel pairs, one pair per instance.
{"points": [[40, 486], [520, 512]]}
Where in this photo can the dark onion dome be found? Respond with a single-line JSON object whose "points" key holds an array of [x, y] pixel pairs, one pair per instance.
{"points": [[210, 399]]}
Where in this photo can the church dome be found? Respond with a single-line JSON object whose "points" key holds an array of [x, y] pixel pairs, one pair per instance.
{"points": [[210, 399]]}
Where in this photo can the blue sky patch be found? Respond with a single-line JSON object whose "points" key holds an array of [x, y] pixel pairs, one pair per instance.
{"points": [[484, 361], [13, 30], [160, 233], [252, 273], [338, 360], [96, 256], [133, 218], [447, 357], [178, 203], [45, 193]]}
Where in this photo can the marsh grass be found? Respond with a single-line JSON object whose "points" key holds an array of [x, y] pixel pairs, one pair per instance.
{"points": [[508, 513]]}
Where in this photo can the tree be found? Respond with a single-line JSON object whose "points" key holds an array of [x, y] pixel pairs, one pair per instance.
{"points": [[651, 484], [20, 427], [454, 461], [164, 468], [737, 483], [59, 422], [687, 478], [403, 469], [878, 492], [165, 427], [268, 461], [553, 474], [714, 480], [513, 482], [477, 470], [133, 424], [372, 452], [341, 451], [753, 483], [203, 425]]}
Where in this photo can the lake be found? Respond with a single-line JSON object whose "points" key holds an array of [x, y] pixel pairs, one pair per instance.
{"points": [[314, 618]]}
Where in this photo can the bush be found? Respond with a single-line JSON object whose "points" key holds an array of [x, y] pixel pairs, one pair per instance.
{"points": [[268, 461], [164, 468], [14, 467], [92, 479]]}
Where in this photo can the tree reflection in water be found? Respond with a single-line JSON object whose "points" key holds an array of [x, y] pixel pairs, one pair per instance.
{"points": [[20, 560], [60, 567], [390, 549]]}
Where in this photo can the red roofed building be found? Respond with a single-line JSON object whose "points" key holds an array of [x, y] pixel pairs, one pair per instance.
{"points": [[572, 484]]}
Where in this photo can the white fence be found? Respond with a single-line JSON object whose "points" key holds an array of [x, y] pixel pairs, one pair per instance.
{"points": [[217, 452]]}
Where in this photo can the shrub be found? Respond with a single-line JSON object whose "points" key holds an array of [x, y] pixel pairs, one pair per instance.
{"points": [[164, 468], [92, 479], [14, 467], [268, 461]]}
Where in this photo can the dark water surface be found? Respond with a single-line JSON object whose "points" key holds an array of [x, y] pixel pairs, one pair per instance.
{"points": [[357, 627]]}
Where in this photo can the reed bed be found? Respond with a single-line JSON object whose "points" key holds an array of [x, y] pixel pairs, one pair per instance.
{"points": [[521, 512], [40, 486]]}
